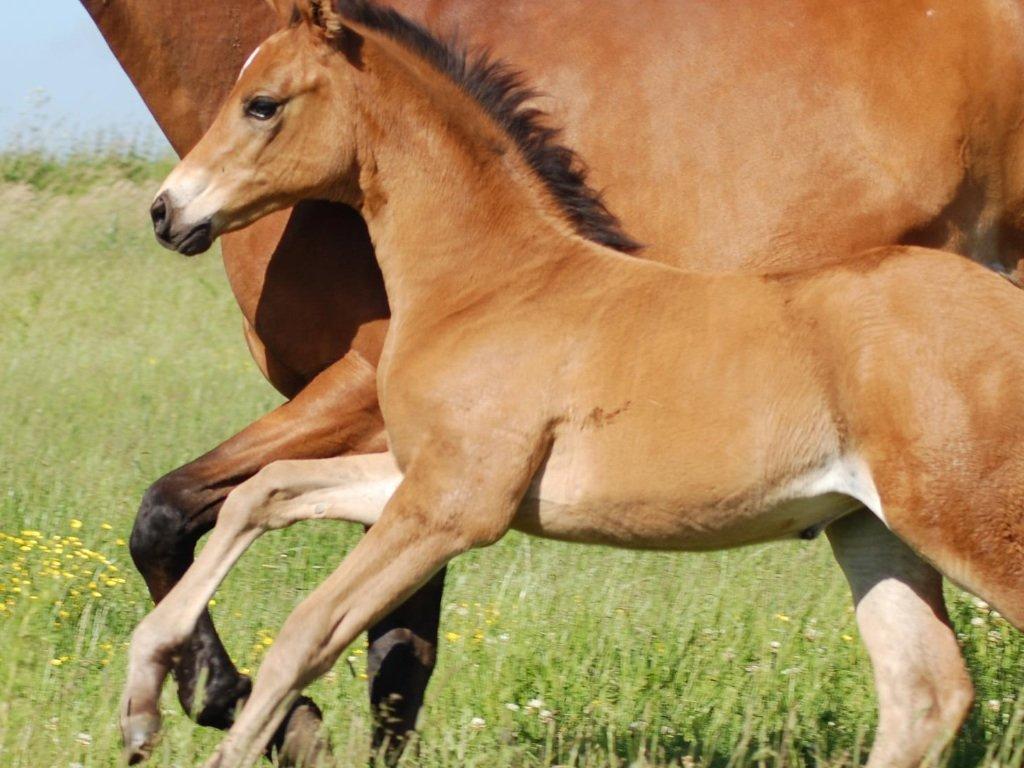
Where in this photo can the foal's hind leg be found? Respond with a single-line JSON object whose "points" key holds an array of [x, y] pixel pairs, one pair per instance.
{"points": [[349, 488], [924, 692]]}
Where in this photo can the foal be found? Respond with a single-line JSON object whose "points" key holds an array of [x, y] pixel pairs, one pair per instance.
{"points": [[534, 379]]}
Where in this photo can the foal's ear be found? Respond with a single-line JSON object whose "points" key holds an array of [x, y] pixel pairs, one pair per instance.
{"points": [[319, 13], [338, 30], [286, 10]]}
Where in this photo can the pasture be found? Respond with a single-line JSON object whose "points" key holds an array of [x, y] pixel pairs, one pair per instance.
{"points": [[122, 361]]}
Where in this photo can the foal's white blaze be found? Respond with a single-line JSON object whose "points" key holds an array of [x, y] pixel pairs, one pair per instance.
{"points": [[248, 61]]}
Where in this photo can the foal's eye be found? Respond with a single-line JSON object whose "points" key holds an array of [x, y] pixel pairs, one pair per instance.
{"points": [[262, 108]]}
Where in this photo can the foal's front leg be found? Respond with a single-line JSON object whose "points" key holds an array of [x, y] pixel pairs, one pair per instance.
{"points": [[438, 512], [352, 488]]}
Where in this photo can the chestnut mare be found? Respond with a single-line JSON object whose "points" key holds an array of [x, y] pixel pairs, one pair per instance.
{"points": [[535, 378], [786, 140]]}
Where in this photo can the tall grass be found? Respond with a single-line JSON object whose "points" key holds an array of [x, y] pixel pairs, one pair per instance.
{"points": [[122, 361]]}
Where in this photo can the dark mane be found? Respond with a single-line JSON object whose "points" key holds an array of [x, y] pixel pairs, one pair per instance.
{"points": [[502, 92]]}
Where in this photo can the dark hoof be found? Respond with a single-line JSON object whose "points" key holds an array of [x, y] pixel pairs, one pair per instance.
{"points": [[140, 733], [302, 741]]}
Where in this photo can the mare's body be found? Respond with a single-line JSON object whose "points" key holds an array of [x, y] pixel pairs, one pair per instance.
{"points": [[731, 134], [517, 390]]}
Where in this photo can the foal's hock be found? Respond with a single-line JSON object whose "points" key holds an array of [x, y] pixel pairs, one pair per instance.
{"points": [[535, 378]]}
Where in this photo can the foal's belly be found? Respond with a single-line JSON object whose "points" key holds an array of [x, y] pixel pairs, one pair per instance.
{"points": [[559, 506]]}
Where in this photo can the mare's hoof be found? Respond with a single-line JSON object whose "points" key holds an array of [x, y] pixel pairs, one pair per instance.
{"points": [[140, 733], [301, 738]]}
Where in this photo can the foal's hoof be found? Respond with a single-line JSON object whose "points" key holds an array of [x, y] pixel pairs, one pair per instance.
{"points": [[301, 738], [140, 733]]}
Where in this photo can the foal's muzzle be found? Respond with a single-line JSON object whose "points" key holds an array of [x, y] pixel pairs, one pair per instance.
{"points": [[188, 241]]}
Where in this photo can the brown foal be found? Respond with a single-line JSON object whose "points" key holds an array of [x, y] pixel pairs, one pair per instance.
{"points": [[727, 134], [522, 386]]}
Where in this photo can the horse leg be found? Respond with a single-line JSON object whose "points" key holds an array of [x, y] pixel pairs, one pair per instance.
{"points": [[401, 657], [336, 413], [446, 504], [924, 692], [353, 488]]}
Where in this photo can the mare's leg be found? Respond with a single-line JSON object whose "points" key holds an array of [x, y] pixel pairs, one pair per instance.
{"points": [[447, 503], [402, 653], [924, 692], [353, 488]]}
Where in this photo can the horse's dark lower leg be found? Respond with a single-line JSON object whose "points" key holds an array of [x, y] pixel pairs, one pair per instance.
{"points": [[175, 512], [403, 650]]}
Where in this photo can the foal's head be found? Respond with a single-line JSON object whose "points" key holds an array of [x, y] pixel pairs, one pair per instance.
{"points": [[281, 136], [314, 97]]}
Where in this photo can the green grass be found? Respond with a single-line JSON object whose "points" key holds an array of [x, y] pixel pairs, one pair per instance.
{"points": [[122, 361]]}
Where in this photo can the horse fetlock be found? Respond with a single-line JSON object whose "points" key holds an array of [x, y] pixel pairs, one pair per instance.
{"points": [[140, 732], [154, 646]]}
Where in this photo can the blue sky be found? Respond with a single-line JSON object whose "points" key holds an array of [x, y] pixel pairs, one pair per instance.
{"points": [[58, 75]]}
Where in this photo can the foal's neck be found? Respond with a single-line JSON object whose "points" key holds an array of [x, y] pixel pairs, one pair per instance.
{"points": [[454, 211]]}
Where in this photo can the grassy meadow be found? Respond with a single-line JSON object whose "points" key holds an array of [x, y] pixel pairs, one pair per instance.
{"points": [[121, 361]]}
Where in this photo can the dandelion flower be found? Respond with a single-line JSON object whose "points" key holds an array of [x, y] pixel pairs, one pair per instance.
{"points": [[75, 524]]}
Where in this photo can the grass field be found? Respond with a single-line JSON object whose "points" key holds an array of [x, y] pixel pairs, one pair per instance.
{"points": [[121, 361]]}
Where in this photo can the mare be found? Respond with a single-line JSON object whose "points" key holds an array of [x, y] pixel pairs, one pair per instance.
{"points": [[727, 135], [886, 400]]}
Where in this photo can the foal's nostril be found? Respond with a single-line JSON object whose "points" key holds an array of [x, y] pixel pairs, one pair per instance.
{"points": [[159, 215]]}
